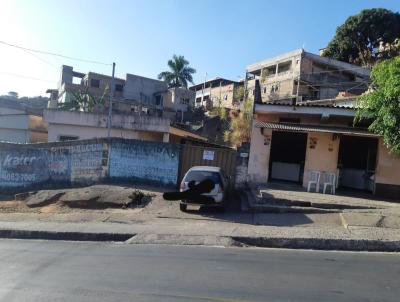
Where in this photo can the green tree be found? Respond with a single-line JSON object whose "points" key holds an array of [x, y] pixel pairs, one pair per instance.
{"points": [[357, 40], [240, 125], [83, 101], [180, 72], [238, 93], [381, 103], [219, 111]]}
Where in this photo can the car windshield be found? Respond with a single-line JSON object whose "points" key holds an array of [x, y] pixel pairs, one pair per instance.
{"points": [[202, 175]]}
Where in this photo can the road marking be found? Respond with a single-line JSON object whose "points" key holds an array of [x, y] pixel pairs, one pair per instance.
{"points": [[205, 298]]}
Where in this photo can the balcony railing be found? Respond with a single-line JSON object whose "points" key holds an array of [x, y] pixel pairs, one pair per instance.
{"points": [[205, 91]]}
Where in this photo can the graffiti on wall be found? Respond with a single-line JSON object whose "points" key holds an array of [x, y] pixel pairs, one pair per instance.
{"points": [[87, 162], [22, 167], [147, 161], [60, 164]]}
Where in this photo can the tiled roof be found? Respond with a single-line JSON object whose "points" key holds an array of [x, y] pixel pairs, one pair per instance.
{"points": [[314, 128]]}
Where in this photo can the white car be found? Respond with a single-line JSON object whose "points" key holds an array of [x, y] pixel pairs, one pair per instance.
{"points": [[200, 173]]}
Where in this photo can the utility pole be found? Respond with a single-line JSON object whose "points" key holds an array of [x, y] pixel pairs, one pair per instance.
{"points": [[202, 90], [110, 101]]}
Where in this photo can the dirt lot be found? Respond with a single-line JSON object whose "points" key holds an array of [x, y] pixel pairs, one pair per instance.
{"points": [[98, 197]]}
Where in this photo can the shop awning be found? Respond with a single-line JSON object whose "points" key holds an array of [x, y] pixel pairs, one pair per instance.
{"points": [[314, 128]]}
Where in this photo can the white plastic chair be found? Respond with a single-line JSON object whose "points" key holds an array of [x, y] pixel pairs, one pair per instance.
{"points": [[330, 180], [313, 179]]}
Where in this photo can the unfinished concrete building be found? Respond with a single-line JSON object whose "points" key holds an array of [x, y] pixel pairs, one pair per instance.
{"points": [[135, 94], [300, 76], [217, 92]]}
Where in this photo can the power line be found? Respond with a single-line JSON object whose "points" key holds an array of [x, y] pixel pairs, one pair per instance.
{"points": [[26, 77], [40, 59], [54, 54]]}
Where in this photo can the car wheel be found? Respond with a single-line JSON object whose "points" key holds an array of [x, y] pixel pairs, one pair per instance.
{"points": [[183, 207]]}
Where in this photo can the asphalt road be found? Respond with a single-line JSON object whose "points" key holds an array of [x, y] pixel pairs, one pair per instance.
{"points": [[72, 271]]}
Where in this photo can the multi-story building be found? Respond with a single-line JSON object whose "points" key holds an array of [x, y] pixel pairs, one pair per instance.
{"points": [[303, 124], [133, 94], [300, 76], [217, 92]]}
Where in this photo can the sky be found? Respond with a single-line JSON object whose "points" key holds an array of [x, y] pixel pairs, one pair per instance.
{"points": [[217, 37]]}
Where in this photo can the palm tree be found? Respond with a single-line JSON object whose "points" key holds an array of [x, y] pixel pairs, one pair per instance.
{"points": [[180, 72]]}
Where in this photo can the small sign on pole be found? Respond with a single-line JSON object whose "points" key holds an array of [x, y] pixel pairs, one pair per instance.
{"points": [[208, 155]]}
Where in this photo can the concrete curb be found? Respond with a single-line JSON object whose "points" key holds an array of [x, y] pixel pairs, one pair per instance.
{"points": [[322, 244], [265, 208], [72, 236], [253, 204], [211, 240]]}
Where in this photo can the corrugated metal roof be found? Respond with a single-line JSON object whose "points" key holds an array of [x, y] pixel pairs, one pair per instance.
{"points": [[314, 128], [309, 105]]}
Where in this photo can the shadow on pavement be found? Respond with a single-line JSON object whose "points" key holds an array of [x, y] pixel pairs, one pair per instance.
{"points": [[233, 213]]}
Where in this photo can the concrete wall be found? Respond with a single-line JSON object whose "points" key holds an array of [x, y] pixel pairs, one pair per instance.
{"points": [[137, 86], [151, 161], [105, 85], [242, 163], [22, 128], [122, 121], [225, 95], [321, 154], [14, 135], [27, 165], [86, 162], [85, 125], [17, 121], [260, 148], [387, 177], [177, 96], [55, 131], [67, 84]]}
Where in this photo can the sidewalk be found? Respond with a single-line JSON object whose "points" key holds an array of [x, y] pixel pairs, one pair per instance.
{"points": [[313, 231], [282, 197], [161, 222]]}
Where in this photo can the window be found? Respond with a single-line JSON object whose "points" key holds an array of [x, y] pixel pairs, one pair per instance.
{"points": [[225, 97], [314, 94], [63, 138], [284, 67], [265, 89], [95, 83], [159, 100], [199, 176], [145, 99], [198, 100], [119, 87], [184, 101], [270, 71], [274, 88]]}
